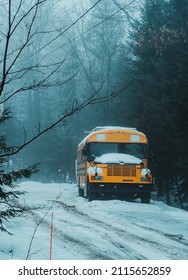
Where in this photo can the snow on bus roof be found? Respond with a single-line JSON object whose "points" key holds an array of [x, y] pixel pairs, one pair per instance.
{"points": [[106, 128], [113, 128]]}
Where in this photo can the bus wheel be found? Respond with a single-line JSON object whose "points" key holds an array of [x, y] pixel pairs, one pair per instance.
{"points": [[145, 198], [80, 191], [91, 195]]}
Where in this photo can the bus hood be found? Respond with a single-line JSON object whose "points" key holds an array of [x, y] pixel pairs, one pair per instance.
{"points": [[118, 158]]}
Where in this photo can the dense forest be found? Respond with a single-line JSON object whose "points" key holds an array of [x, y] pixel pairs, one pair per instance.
{"points": [[69, 66]]}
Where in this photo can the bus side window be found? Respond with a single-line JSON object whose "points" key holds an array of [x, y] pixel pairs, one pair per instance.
{"points": [[79, 156]]}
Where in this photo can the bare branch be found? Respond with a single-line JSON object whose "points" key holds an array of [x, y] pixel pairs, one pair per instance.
{"points": [[10, 33], [75, 108], [35, 6], [43, 83], [70, 26], [122, 8], [39, 221]]}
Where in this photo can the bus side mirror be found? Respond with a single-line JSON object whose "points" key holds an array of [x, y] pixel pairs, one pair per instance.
{"points": [[90, 158], [85, 150]]}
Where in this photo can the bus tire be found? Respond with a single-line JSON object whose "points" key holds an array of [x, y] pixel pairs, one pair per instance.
{"points": [[80, 191], [145, 198], [91, 195]]}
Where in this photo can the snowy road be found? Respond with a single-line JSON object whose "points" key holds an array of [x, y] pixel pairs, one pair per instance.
{"points": [[103, 229], [105, 238]]}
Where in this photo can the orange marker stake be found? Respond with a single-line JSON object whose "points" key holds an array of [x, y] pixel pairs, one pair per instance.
{"points": [[51, 235]]}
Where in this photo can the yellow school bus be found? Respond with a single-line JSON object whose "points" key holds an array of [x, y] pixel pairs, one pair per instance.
{"points": [[113, 161]]}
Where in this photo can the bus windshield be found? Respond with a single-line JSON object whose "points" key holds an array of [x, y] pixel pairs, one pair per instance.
{"points": [[135, 149]]}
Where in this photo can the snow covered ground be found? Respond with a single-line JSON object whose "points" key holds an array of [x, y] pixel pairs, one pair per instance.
{"points": [[97, 230]]}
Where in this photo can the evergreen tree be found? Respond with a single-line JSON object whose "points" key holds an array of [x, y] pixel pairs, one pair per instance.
{"points": [[159, 94], [177, 56], [9, 191]]}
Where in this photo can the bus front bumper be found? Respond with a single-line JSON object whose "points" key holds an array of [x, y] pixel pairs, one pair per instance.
{"points": [[113, 188]]}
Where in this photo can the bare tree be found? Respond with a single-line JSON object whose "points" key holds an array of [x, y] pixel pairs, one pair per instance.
{"points": [[26, 67], [24, 71]]}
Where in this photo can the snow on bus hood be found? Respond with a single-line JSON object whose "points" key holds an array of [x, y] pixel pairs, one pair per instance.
{"points": [[118, 158]]}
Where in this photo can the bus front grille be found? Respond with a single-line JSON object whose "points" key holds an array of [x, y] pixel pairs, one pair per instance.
{"points": [[121, 170]]}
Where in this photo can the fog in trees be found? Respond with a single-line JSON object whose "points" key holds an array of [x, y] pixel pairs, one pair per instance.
{"points": [[75, 65]]}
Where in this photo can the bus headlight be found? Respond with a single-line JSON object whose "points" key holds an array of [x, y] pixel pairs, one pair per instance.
{"points": [[145, 172], [146, 175], [98, 177], [93, 177], [94, 170], [144, 179]]}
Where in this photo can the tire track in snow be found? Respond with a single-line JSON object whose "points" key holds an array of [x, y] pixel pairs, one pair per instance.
{"points": [[105, 240], [104, 235], [75, 243], [176, 237], [117, 235]]}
